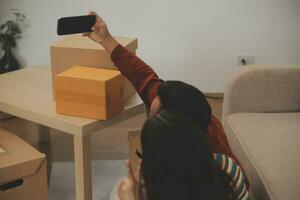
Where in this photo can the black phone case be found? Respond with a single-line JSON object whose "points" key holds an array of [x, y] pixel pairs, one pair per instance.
{"points": [[75, 24]]}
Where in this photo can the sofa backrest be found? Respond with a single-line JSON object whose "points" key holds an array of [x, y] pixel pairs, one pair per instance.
{"points": [[263, 88]]}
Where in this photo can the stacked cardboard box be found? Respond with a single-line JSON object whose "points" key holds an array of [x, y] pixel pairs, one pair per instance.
{"points": [[89, 92], [23, 172], [74, 50]]}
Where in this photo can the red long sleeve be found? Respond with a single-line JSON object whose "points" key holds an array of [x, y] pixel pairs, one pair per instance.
{"points": [[142, 76], [220, 144]]}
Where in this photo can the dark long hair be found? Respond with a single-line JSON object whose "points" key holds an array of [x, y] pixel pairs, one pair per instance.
{"points": [[178, 162], [187, 99]]}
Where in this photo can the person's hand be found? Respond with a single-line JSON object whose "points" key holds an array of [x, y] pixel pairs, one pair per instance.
{"points": [[99, 30], [100, 34], [130, 187]]}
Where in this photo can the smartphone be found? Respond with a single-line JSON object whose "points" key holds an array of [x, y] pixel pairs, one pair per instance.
{"points": [[75, 24]]}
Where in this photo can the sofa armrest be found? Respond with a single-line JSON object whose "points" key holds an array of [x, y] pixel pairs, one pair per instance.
{"points": [[263, 88]]}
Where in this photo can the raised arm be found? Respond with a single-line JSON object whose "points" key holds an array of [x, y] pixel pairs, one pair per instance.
{"points": [[141, 75]]}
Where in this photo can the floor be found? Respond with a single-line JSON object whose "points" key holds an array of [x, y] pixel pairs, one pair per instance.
{"points": [[105, 174]]}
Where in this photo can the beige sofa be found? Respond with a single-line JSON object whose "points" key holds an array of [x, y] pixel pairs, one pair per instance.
{"points": [[261, 117]]}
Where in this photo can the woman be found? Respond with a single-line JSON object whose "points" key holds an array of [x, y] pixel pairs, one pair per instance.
{"points": [[178, 164], [157, 94]]}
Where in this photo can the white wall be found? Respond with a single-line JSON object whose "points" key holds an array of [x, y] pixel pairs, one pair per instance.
{"points": [[197, 41]]}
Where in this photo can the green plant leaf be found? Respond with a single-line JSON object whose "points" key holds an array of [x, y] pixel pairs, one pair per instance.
{"points": [[2, 26], [10, 30], [9, 23]]}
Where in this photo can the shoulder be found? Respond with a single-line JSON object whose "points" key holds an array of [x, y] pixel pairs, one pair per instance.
{"points": [[215, 125]]}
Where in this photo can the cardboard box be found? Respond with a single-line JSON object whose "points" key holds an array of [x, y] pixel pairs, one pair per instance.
{"points": [[89, 92], [75, 49], [23, 172], [134, 139]]}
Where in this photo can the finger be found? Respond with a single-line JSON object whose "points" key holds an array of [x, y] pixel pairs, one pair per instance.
{"points": [[91, 37], [98, 19], [92, 13]]}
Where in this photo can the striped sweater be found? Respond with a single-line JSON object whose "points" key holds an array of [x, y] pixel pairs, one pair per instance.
{"points": [[235, 173]]}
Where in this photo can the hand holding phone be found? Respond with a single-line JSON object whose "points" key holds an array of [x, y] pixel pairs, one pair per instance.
{"points": [[84, 24], [75, 24]]}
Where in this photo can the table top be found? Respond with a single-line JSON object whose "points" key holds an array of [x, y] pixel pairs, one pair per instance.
{"points": [[27, 93]]}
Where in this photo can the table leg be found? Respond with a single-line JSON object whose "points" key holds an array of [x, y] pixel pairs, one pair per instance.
{"points": [[44, 145], [83, 176]]}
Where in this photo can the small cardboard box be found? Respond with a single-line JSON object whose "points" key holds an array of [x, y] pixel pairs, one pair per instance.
{"points": [[23, 172], [75, 49], [89, 92]]}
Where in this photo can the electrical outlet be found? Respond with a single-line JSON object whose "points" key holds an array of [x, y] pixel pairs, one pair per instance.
{"points": [[245, 60]]}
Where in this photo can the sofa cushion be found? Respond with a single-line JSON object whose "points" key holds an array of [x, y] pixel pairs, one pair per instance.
{"points": [[268, 146]]}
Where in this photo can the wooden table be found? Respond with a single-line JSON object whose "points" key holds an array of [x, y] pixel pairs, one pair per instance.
{"points": [[27, 93]]}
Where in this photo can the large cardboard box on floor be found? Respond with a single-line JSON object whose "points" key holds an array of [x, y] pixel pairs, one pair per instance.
{"points": [[23, 172], [89, 92], [134, 139], [75, 49]]}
